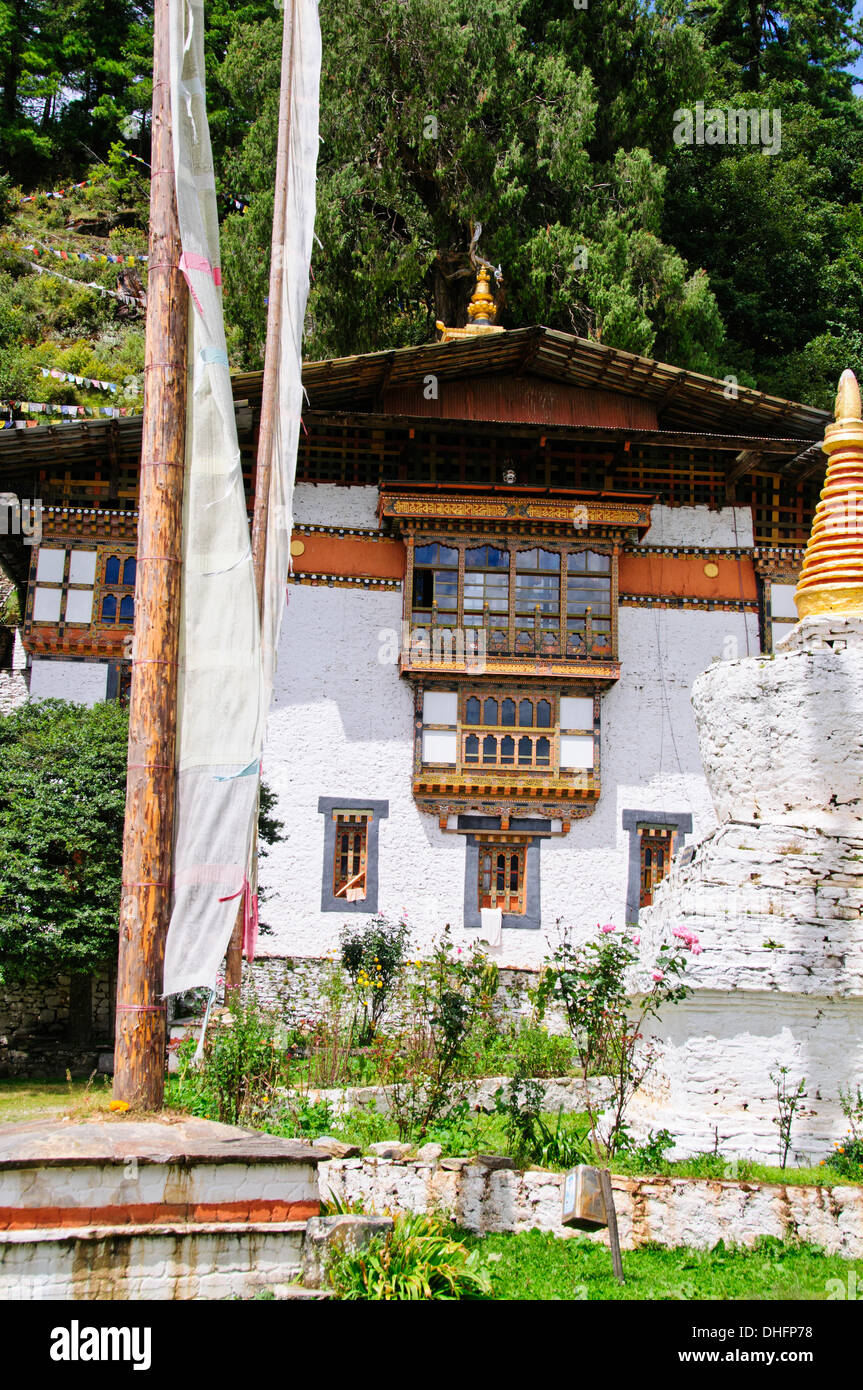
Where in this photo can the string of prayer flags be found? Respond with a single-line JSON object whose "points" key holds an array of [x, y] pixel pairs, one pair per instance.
{"points": [[86, 284], [99, 257], [79, 380], [55, 192], [56, 408]]}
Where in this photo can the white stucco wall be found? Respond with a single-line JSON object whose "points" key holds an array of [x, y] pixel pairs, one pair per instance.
{"points": [[341, 725], [331, 504], [84, 682], [700, 526]]}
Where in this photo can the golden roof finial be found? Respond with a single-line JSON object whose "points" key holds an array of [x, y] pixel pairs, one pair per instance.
{"points": [[831, 580], [481, 310]]}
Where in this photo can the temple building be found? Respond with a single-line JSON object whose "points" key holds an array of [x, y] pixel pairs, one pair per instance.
{"points": [[513, 553]]}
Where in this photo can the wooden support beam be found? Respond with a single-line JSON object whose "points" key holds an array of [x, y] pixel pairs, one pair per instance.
{"points": [[745, 461], [139, 1057]]}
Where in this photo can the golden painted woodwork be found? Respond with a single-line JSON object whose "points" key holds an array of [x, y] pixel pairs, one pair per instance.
{"points": [[831, 580]]}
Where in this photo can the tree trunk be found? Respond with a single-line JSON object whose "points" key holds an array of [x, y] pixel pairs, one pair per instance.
{"points": [[139, 1075], [454, 279]]}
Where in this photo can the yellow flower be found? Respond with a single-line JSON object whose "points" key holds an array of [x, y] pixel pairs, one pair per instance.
{"points": [[118, 1105]]}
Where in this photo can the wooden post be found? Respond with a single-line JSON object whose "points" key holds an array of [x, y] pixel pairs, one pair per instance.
{"points": [[139, 1063], [611, 1220], [269, 398]]}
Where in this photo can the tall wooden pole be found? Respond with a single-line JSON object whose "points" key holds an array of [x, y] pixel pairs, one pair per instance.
{"points": [[270, 393], [139, 1057]]}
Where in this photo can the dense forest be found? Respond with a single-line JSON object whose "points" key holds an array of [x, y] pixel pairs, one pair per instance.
{"points": [[554, 125]]}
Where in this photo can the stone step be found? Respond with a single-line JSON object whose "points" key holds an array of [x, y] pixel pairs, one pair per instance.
{"points": [[55, 1173], [182, 1260]]}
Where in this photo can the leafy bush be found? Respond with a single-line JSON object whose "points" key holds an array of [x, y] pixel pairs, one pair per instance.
{"points": [[242, 1072], [373, 956], [417, 1260], [62, 800], [543, 1054], [595, 982], [426, 1064], [847, 1158], [529, 1138]]}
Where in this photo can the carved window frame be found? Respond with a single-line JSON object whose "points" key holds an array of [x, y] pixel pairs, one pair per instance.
{"points": [[502, 635]]}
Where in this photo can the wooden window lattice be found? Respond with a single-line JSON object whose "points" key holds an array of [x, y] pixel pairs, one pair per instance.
{"points": [[351, 856], [502, 877]]}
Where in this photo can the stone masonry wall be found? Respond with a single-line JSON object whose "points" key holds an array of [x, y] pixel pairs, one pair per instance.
{"points": [[37, 1030], [298, 986], [673, 1212]]}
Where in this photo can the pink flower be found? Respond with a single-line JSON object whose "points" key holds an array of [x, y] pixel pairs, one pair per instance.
{"points": [[636, 941], [609, 926], [658, 975], [458, 952]]}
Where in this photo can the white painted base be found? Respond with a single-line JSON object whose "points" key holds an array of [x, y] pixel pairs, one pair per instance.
{"points": [[224, 1260]]}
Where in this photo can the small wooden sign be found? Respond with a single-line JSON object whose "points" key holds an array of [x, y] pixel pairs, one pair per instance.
{"points": [[588, 1203], [583, 1202]]}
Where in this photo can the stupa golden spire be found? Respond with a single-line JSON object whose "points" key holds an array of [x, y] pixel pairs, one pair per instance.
{"points": [[482, 309], [831, 580]]}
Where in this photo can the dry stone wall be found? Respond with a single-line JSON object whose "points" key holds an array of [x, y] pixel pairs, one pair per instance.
{"points": [[673, 1212]]}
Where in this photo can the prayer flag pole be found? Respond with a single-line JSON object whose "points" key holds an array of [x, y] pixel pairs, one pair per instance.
{"points": [[139, 1057], [270, 393]]}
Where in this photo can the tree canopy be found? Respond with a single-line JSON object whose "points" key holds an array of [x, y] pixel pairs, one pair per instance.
{"points": [[551, 125], [62, 798], [62, 802]]}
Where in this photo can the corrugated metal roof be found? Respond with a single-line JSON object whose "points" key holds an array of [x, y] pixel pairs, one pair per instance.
{"points": [[683, 399]]}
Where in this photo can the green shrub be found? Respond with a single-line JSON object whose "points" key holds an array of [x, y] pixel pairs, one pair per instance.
{"points": [[417, 1260], [372, 957], [847, 1158], [543, 1054], [425, 1067], [242, 1072], [530, 1139]]}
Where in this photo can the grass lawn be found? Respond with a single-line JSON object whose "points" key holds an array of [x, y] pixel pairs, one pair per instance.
{"points": [[535, 1265], [34, 1100]]}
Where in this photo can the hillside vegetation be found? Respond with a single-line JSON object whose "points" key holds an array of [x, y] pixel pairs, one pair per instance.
{"points": [[551, 125]]}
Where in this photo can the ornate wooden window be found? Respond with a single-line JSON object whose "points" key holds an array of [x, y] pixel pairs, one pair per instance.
{"points": [[588, 604], [350, 858], [657, 847], [527, 732], [435, 585], [512, 724], [535, 601], [65, 579], [502, 877], [117, 590]]}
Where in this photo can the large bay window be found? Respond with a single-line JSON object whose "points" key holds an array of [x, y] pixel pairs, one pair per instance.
{"points": [[537, 601], [83, 586], [509, 639], [514, 731]]}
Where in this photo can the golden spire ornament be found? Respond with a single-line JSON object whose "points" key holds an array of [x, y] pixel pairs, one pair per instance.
{"points": [[482, 309], [831, 580]]}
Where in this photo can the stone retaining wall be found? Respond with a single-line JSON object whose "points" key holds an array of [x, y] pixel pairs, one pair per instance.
{"points": [[559, 1091], [672, 1212], [42, 1035], [298, 986]]}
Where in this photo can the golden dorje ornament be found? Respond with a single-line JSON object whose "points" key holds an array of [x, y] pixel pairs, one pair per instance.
{"points": [[831, 580], [481, 312]]}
